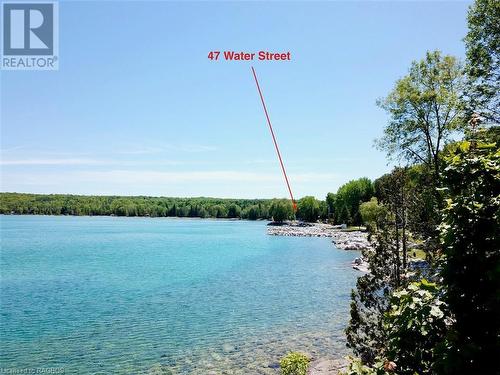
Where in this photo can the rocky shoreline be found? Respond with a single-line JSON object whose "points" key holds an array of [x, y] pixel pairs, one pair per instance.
{"points": [[343, 239]]}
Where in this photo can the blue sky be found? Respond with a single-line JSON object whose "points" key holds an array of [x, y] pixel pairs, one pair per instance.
{"points": [[137, 108]]}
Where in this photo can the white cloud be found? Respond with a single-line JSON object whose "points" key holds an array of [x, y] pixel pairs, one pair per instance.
{"points": [[83, 162], [128, 176], [187, 148], [72, 157], [194, 148], [58, 161]]}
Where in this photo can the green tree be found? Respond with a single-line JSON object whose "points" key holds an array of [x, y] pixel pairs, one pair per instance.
{"points": [[218, 211], [394, 194], [483, 59], [323, 210], [373, 214], [344, 216], [425, 109], [202, 212], [471, 242], [308, 209], [330, 202], [233, 211], [366, 334], [348, 198], [281, 210], [253, 212], [173, 210]]}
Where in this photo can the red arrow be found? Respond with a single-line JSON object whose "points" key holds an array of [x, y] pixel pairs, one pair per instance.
{"points": [[274, 139]]}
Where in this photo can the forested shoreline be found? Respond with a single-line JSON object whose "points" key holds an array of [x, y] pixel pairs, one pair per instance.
{"points": [[343, 207], [131, 206]]}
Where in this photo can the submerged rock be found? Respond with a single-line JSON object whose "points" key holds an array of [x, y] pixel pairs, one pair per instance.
{"points": [[160, 370], [274, 365], [325, 366], [228, 348]]}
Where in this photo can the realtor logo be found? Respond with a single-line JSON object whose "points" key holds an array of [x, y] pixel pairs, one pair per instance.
{"points": [[30, 36]]}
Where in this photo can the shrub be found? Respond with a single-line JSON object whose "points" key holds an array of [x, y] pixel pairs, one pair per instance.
{"points": [[294, 364], [416, 324]]}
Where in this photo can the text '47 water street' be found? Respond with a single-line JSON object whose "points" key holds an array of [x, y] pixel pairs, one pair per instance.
{"points": [[249, 56]]}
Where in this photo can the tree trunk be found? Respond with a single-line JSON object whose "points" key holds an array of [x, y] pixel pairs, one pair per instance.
{"points": [[398, 271], [403, 224]]}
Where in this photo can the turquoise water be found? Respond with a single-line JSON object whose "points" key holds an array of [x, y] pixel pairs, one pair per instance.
{"points": [[172, 296]]}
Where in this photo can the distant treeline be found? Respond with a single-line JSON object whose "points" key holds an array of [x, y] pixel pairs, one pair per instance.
{"points": [[342, 207], [60, 204]]}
